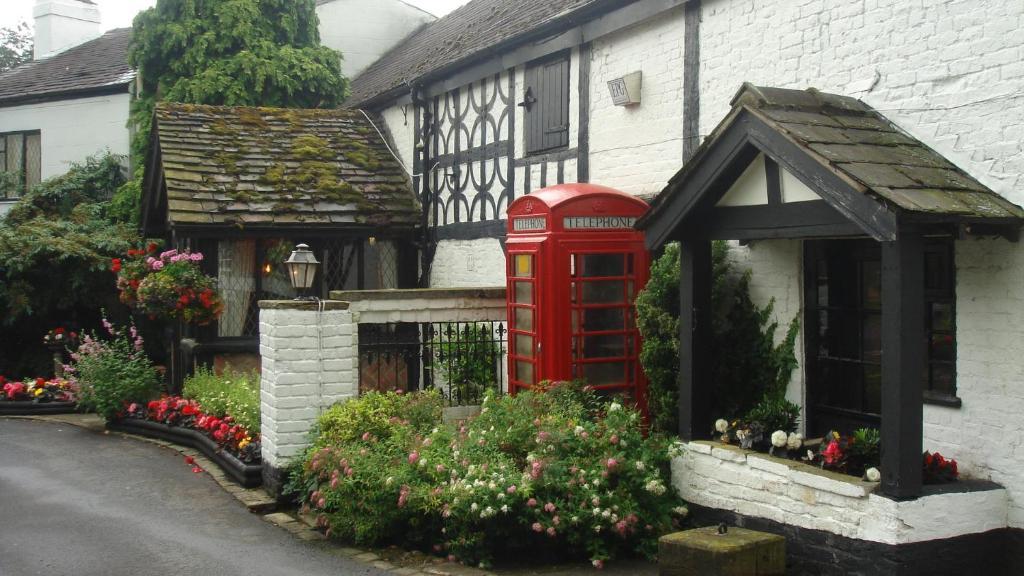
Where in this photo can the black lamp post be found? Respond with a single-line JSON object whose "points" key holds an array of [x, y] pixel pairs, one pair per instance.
{"points": [[301, 267]]}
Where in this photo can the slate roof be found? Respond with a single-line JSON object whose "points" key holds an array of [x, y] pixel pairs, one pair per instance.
{"points": [[94, 66], [871, 153], [275, 167], [478, 29]]}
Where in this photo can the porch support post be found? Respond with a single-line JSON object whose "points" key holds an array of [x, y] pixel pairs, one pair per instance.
{"points": [[694, 338], [903, 363]]}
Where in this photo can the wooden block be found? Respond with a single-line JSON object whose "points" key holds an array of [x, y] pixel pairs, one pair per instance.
{"points": [[738, 552]]}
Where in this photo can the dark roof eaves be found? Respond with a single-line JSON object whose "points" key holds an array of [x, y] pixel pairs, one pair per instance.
{"points": [[66, 94]]}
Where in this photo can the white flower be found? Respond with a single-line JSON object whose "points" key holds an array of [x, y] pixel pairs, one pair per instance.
{"points": [[639, 464], [614, 406], [389, 480], [681, 511], [721, 425], [597, 511], [779, 439], [578, 430], [501, 495], [473, 507], [606, 513], [655, 487], [504, 508], [810, 456], [795, 441], [873, 475]]}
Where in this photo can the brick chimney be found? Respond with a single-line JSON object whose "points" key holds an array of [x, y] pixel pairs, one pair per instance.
{"points": [[63, 24]]}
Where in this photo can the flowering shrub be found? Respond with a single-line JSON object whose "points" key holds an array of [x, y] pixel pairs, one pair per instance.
{"points": [[234, 394], [222, 429], [38, 390], [113, 372], [60, 337], [557, 472], [169, 285], [938, 469]]}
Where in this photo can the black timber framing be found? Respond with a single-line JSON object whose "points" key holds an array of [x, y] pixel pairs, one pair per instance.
{"points": [[691, 79], [812, 219], [472, 230], [903, 363], [583, 93], [694, 338]]}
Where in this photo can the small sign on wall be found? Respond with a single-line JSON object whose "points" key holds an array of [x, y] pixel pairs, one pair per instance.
{"points": [[625, 91]]}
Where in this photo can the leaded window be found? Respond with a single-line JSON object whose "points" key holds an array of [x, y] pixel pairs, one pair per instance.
{"points": [[20, 163]]}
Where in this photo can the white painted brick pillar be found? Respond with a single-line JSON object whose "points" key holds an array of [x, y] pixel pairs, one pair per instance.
{"points": [[309, 362]]}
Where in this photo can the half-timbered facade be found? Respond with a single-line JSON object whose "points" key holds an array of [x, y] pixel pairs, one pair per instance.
{"points": [[499, 99]]}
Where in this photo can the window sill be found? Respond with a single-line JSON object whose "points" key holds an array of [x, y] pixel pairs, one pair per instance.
{"points": [[940, 399]]}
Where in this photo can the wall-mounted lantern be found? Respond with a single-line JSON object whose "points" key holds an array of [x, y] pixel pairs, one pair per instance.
{"points": [[301, 267], [625, 91]]}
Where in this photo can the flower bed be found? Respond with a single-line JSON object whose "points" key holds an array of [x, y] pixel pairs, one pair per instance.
{"points": [[37, 396], [182, 421], [555, 474]]}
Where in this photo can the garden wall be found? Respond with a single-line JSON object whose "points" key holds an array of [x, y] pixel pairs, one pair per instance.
{"points": [[756, 485], [310, 354]]}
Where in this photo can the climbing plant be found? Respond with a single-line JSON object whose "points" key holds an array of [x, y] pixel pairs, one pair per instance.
{"points": [[230, 52], [747, 365]]}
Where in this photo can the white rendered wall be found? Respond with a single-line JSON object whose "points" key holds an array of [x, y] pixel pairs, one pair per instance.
{"points": [[63, 24], [71, 130], [636, 149], [400, 124], [364, 30], [460, 263]]}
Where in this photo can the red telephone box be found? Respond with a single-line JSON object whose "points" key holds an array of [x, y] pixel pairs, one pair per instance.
{"points": [[575, 265]]}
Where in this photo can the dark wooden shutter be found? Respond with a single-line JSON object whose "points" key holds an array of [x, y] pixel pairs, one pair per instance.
{"points": [[547, 120]]}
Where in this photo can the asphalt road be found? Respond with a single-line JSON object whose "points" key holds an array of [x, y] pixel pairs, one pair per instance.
{"points": [[79, 503]]}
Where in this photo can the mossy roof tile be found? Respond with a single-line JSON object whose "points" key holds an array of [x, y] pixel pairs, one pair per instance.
{"points": [[228, 165]]}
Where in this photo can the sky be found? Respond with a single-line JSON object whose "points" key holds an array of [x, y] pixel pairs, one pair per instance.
{"points": [[119, 13]]}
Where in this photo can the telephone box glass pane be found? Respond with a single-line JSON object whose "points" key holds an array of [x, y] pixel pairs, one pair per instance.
{"points": [[602, 265], [602, 292], [524, 372], [523, 292], [604, 373], [524, 345], [601, 319], [523, 266], [524, 319], [604, 346]]}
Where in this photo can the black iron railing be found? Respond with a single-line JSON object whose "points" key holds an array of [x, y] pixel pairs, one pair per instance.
{"points": [[463, 360]]}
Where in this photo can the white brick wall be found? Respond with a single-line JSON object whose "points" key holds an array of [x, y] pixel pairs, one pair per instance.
{"points": [[309, 363], [752, 484], [934, 60], [638, 148], [460, 263]]}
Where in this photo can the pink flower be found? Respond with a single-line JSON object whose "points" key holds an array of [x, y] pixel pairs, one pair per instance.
{"points": [[614, 439], [511, 489], [551, 531], [532, 502], [537, 527], [549, 507], [414, 457], [621, 527], [599, 564], [158, 265], [439, 468], [542, 437], [611, 464]]}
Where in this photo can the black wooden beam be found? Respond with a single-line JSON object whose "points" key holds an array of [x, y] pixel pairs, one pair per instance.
{"points": [[812, 219], [472, 230], [773, 180], [694, 338], [691, 79], [903, 363], [583, 145]]}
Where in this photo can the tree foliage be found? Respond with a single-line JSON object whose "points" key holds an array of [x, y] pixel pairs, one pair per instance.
{"points": [[15, 46], [747, 365], [58, 236], [234, 53]]}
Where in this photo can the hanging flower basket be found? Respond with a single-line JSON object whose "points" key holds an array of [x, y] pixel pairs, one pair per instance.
{"points": [[168, 286]]}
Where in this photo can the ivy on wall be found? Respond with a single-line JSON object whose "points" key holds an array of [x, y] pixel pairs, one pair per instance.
{"points": [[747, 366]]}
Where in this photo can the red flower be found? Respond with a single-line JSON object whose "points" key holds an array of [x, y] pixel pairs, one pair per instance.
{"points": [[832, 453], [152, 247], [58, 330], [115, 265], [190, 460]]}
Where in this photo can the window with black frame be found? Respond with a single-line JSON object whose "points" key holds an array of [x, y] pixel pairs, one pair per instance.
{"points": [[844, 331], [20, 163]]}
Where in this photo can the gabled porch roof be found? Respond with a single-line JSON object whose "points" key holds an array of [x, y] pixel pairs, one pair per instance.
{"points": [[869, 172]]}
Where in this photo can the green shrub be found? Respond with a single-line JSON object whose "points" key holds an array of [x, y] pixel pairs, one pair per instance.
{"points": [[113, 373], [774, 413], [551, 473], [233, 393], [746, 364], [467, 359]]}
